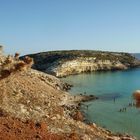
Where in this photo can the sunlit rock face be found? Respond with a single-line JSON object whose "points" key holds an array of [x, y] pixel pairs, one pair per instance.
{"points": [[81, 65], [64, 63]]}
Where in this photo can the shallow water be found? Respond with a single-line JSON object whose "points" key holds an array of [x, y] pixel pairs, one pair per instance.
{"points": [[114, 90]]}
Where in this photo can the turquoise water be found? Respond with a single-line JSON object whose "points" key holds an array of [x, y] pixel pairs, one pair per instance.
{"points": [[115, 92]]}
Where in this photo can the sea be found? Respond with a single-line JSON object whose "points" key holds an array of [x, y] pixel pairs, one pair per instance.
{"points": [[115, 109]]}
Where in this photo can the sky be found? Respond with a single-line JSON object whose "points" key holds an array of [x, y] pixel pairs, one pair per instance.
{"points": [[31, 26]]}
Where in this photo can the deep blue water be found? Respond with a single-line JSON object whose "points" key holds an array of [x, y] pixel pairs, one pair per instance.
{"points": [[115, 91], [137, 55]]}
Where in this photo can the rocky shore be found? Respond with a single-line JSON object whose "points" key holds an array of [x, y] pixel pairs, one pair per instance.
{"points": [[64, 63], [33, 105]]}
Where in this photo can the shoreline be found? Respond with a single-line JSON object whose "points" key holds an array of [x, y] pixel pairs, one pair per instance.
{"points": [[101, 61], [112, 70], [77, 101], [28, 94], [71, 62], [73, 105]]}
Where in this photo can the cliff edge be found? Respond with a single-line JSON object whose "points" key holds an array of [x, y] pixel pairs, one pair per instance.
{"points": [[33, 106], [64, 63]]}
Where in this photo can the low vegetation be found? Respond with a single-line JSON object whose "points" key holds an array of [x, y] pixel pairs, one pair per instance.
{"points": [[45, 59], [12, 64]]}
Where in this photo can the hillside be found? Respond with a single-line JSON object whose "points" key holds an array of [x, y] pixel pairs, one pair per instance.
{"points": [[34, 106], [64, 63]]}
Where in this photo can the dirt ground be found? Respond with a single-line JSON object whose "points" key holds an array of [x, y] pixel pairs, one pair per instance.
{"points": [[15, 129], [33, 106]]}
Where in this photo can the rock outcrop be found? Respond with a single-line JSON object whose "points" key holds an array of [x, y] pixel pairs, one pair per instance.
{"points": [[33, 106], [64, 63]]}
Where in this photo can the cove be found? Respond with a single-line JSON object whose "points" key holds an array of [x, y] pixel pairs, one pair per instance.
{"points": [[114, 90]]}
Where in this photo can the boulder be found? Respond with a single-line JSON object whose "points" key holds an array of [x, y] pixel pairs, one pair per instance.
{"points": [[136, 95]]}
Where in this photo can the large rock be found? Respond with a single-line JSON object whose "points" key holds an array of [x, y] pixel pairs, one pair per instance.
{"points": [[136, 95], [64, 63]]}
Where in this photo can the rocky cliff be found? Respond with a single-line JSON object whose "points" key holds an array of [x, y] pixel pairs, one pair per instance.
{"points": [[33, 106], [63, 63]]}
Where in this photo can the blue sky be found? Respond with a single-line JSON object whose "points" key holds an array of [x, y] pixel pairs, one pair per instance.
{"points": [[29, 26]]}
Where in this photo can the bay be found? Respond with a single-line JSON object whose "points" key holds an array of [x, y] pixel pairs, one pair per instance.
{"points": [[114, 110]]}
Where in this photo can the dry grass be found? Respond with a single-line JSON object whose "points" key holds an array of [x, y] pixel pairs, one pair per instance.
{"points": [[28, 60], [17, 55], [12, 64]]}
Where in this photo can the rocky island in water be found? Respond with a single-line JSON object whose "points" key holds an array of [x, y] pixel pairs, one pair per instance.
{"points": [[34, 104]]}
